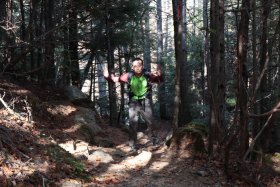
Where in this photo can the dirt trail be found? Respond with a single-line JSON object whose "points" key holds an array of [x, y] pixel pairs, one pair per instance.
{"points": [[51, 150], [149, 166]]}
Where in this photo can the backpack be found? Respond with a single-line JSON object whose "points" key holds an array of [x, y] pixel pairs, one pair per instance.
{"points": [[139, 87]]}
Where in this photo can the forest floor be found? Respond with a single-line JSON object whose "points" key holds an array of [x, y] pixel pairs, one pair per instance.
{"points": [[42, 146]]}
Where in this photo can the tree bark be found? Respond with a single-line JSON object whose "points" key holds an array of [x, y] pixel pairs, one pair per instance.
{"points": [[110, 60], [146, 39], [180, 60], [22, 33], [185, 75], [161, 88], [49, 73], [73, 45], [205, 64], [242, 46], [266, 5], [217, 73]]}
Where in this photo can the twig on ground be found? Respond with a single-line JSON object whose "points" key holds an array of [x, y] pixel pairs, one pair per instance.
{"points": [[9, 109]]}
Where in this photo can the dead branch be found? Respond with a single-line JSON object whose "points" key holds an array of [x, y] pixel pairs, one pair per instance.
{"points": [[9, 109], [273, 110], [270, 113], [255, 139]]}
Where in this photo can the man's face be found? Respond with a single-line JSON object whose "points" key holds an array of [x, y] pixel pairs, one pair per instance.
{"points": [[137, 66]]}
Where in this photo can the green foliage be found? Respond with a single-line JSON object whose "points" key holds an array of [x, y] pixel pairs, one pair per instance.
{"points": [[272, 159], [196, 126], [231, 102], [191, 135], [197, 109]]}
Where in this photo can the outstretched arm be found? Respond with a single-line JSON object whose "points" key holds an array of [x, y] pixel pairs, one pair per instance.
{"points": [[113, 78], [156, 76]]}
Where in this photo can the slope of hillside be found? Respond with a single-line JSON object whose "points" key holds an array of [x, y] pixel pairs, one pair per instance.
{"points": [[42, 145]]}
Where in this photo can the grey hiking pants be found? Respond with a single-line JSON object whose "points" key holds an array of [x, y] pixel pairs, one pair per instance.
{"points": [[137, 108]]}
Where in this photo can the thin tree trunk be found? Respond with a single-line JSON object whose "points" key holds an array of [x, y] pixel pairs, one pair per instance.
{"points": [[101, 85], [73, 46], [217, 74], [31, 26], [110, 60], [23, 33], [205, 63], [254, 81], [2, 31], [49, 73], [146, 39], [185, 76], [178, 29], [121, 116], [38, 30], [161, 90], [242, 46], [266, 5]]}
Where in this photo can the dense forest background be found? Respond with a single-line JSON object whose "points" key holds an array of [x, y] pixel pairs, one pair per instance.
{"points": [[221, 60]]}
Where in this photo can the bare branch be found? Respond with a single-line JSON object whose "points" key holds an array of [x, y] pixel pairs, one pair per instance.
{"points": [[9, 109]]}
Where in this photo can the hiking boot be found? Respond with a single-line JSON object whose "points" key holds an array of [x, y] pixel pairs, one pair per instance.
{"points": [[132, 148], [155, 141]]}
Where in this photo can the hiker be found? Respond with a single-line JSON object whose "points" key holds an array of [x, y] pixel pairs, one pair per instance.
{"points": [[139, 84]]}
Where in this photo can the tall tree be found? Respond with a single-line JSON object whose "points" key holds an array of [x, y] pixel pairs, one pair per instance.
{"points": [[205, 50], [110, 60], [2, 30], [23, 31], [73, 44], [181, 109], [185, 76], [263, 59], [177, 21], [217, 73], [146, 37], [161, 91], [49, 73], [242, 47]]}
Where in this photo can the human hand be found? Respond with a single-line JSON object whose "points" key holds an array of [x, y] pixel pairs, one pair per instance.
{"points": [[105, 72], [158, 71]]}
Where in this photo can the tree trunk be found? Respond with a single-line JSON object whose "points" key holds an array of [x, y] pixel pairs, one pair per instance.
{"points": [[73, 46], [179, 55], [110, 60], [22, 33], [89, 66], [31, 26], [166, 43], [184, 108], [161, 88], [217, 73], [242, 46], [2, 31], [122, 115], [38, 30], [254, 79], [266, 5], [49, 73], [146, 39], [8, 24], [101, 86], [205, 63]]}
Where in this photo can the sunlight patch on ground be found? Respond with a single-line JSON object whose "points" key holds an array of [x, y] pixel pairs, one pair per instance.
{"points": [[140, 160], [123, 147], [75, 148], [157, 166]]}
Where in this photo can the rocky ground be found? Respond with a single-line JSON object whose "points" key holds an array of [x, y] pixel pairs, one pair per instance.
{"points": [[45, 142]]}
